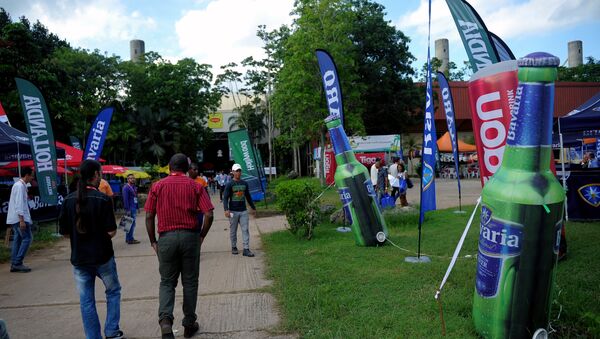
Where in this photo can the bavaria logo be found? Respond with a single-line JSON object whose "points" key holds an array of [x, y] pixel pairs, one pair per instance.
{"points": [[499, 237], [590, 194], [427, 176]]}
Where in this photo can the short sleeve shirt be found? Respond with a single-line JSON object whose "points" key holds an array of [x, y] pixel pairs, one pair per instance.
{"points": [[176, 200]]}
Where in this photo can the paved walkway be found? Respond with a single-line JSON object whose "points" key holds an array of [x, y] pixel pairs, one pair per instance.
{"points": [[231, 304]]}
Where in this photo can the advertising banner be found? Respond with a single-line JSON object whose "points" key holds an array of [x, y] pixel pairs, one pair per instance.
{"points": [[367, 159], [428, 160], [474, 35], [215, 120], [450, 120], [243, 154], [331, 84], [41, 137], [491, 94], [3, 116], [75, 142], [98, 132]]}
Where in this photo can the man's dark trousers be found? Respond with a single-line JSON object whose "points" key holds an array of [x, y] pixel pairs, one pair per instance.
{"points": [[178, 252]]}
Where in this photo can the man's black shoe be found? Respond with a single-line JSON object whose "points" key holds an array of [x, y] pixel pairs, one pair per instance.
{"points": [[189, 331], [166, 329], [119, 335], [248, 253], [20, 268], [234, 250]]}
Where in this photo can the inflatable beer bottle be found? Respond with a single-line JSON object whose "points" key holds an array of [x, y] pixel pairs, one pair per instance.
{"points": [[356, 190], [521, 215]]}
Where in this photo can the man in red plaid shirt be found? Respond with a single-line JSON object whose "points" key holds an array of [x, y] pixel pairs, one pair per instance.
{"points": [[177, 200]]}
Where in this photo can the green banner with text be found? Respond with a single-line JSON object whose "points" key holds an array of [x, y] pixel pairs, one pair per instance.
{"points": [[41, 137], [243, 154]]}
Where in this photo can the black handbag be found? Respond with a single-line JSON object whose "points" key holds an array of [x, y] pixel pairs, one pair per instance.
{"points": [[409, 182]]}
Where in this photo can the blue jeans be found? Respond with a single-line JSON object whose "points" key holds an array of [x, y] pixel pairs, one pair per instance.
{"points": [[21, 241], [85, 279], [129, 235]]}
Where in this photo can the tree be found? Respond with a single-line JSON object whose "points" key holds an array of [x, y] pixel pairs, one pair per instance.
{"points": [[587, 72], [384, 69], [168, 104], [298, 99]]}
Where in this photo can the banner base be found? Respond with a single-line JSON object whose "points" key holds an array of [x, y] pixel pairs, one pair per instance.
{"points": [[460, 212], [344, 229], [56, 235], [416, 260]]}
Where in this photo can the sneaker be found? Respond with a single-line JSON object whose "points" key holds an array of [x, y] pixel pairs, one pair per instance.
{"points": [[248, 253], [189, 331], [20, 268], [234, 251], [134, 241], [166, 329], [119, 335]]}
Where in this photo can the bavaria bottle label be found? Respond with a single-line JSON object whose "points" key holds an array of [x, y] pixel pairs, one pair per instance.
{"points": [[499, 240], [346, 199]]}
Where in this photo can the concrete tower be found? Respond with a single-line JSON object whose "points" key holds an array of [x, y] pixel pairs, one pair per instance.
{"points": [[442, 52], [575, 53], [137, 49]]}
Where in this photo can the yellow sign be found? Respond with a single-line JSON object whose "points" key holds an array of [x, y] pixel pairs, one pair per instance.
{"points": [[215, 120]]}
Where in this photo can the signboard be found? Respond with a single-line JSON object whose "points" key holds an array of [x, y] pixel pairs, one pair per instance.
{"points": [[215, 120]]}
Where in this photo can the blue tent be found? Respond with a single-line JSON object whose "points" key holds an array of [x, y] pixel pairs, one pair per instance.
{"points": [[582, 122], [15, 145]]}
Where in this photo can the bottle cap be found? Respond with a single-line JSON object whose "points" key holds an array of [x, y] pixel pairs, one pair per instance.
{"points": [[538, 67], [539, 59]]}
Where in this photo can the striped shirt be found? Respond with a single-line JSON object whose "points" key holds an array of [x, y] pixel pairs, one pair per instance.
{"points": [[177, 200]]}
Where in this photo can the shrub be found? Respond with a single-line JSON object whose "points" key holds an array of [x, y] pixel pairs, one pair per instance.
{"points": [[298, 200]]}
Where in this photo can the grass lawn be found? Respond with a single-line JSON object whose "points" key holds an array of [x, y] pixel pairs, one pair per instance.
{"points": [[42, 238], [330, 288]]}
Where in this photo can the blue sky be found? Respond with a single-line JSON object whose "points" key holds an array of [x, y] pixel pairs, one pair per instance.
{"points": [[220, 31]]}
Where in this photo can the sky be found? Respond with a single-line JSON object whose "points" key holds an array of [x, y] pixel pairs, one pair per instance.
{"points": [[221, 31]]}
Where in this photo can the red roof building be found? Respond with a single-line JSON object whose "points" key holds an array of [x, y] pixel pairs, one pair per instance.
{"points": [[568, 96]]}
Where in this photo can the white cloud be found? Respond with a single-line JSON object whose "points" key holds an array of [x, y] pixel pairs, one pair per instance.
{"points": [[225, 31], [515, 21], [85, 22], [508, 19]]}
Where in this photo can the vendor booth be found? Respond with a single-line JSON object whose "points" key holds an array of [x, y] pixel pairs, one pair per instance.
{"points": [[582, 183], [467, 167], [366, 149]]}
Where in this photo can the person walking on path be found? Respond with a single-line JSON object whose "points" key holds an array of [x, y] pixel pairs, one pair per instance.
{"points": [[130, 203], [234, 202], [88, 220], [176, 200], [221, 182], [19, 218]]}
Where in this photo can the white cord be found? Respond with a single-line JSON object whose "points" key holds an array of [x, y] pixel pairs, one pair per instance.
{"points": [[457, 250]]}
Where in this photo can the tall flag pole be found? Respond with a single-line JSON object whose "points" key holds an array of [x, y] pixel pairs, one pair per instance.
{"points": [[41, 137], [429, 150], [3, 116], [451, 120], [98, 132]]}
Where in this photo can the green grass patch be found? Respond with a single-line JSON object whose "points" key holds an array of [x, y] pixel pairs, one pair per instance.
{"points": [[43, 237], [330, 288]]}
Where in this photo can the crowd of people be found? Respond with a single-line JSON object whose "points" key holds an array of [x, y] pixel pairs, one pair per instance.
{"points": [[392, 179], [179, 202]]}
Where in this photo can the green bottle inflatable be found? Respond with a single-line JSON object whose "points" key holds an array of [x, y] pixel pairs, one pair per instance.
{"points": [[356, 190], [521, 215]]}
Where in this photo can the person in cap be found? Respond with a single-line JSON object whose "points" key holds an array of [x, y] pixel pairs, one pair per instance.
{"points": [[235, 195]]}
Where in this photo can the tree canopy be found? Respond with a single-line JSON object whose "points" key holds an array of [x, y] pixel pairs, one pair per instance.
{"points": [[161, 107]]}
